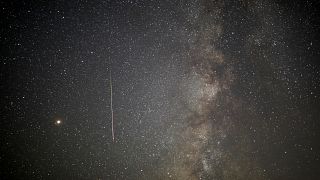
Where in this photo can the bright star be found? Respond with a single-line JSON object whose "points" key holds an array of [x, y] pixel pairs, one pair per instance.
{"points": [[58, 122]]}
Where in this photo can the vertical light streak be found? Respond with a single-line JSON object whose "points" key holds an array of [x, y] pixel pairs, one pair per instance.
{"points": [[111, 107]]}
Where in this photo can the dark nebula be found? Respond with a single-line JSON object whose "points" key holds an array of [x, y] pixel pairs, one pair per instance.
{"points": [[201, 89]]}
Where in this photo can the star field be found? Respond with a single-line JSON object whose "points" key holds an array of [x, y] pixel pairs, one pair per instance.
{"points": [[201, 89]]}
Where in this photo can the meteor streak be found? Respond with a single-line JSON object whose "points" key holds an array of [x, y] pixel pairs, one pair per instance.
{"points": [[111, 107]]}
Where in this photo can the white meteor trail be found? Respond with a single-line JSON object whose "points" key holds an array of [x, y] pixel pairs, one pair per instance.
{"points": [[111, 107]]}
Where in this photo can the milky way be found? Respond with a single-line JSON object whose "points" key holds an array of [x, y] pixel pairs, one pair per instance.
{"points": [[199, 89], [205, 90]]}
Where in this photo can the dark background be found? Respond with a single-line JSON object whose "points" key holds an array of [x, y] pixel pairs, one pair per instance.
{"points": [[55, 62]]}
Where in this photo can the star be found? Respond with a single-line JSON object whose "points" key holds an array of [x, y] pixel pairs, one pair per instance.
{"points": [[58, 122]]}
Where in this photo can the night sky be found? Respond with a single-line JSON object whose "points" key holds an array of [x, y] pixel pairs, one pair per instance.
{"points": [[212, 90]]}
